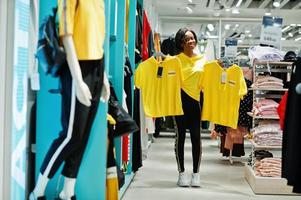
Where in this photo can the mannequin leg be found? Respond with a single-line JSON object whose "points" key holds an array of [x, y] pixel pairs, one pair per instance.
{"points": [[68, 189], [40, 187]]}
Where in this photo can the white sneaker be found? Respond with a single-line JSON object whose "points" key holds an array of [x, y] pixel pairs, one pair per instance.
{"points": [[183, 180], [195, 180]]}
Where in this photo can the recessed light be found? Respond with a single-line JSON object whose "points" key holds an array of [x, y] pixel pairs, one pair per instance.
{"points": [[189, 10], [247, 31], [268, 14], [238, 3], [236, 25], [297, 39], [235, 11], [250, 35], [210, 27], [276, 3], [227, 26], [227, 9], [286, 28]]}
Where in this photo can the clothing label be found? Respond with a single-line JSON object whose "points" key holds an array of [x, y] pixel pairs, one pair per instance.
{"points": [[35, 81], [232, 83], [224, 77], [160, 72], [171, 73]]}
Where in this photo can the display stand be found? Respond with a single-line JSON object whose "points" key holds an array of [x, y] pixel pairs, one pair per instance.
{"points": [[267, 185]]}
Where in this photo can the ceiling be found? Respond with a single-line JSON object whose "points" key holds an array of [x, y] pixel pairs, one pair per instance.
{"points": [[246, 22]]}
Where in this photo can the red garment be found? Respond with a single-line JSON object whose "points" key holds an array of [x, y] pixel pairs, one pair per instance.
{"points": [[125, 148], [146, 29], [281, 109]]}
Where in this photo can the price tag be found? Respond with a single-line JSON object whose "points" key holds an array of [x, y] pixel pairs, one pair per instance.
{"points": [[35, 81], [160, 72], [224, 77]]}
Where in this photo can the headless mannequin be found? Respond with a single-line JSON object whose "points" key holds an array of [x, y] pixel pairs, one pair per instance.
{"points": [[84, 96]]}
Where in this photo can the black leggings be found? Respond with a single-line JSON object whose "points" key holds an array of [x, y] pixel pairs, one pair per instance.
{"points": [[76, 119], [190, 120]]}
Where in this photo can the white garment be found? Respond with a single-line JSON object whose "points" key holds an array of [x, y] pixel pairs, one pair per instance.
{"points": [[265, 54], [210, 51], [147, 126]]}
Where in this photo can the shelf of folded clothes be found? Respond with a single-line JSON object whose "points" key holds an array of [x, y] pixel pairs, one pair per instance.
{"points": [[257, 146], [267, 135], [263, 116], [270, 89], [283, 64]]}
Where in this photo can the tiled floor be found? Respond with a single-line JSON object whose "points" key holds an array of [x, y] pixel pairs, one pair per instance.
{"points": [[220, 180]]}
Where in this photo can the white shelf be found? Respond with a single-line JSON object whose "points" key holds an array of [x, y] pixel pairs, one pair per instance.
{"points": [[284, 64], [267, 185], [263, 117], [256, 146], [269, 89]]}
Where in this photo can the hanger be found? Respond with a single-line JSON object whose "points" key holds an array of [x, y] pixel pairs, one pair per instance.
{"points": [[159, 55], [225, 62]]}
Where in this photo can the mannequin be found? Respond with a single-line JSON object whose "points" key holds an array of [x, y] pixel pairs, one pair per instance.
{"points": [[83, 77]]}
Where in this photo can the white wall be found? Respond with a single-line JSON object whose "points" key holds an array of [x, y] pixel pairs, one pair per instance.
{"points": [[152, 15], [6, 74]]}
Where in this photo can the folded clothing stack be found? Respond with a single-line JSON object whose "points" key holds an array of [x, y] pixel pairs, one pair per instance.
{"points": [[266, 107], [268, 167], [268, 82], [261, 154], [268, 135]]}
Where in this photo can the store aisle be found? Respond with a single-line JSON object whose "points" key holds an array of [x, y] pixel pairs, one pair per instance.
{"points": [[157, 178]]}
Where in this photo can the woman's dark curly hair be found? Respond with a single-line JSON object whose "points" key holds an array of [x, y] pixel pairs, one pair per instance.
{"points": [[179, 39]]}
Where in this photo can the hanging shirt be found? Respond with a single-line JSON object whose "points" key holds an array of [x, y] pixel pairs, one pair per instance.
{"points": [[161, 91], [192, 68], [146, 29], [223, 89], [85, 21]]}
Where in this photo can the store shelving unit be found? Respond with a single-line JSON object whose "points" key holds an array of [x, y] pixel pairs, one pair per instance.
{"points": [[266, 185]]}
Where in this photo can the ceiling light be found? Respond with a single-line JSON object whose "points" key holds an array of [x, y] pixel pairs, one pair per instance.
{"points": [[227, 26], [250, 35], [227, 9], [299, 30], [293, 25], [247, 31], [239, 41], [189, 10], [297, 39], [276, 3], [268, 13], [286, 28], [290, 34], [298, 24], [238, 3], [235, 11], [236, 25], [210, 27], [283, 38], [190, 1]]}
